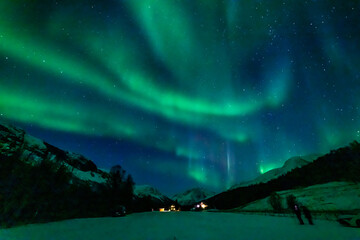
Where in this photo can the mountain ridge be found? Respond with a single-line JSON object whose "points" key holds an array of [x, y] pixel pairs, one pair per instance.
{"points": [[15, 142], [290, 164], [32, 150]]}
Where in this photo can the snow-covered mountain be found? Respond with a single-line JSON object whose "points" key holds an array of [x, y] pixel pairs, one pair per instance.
{"points": [[151, 197], [290, 164], [148, 191], [192, 196], [16, 142]]}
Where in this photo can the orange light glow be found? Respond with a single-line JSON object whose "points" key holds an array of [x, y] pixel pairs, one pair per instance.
{"points": [[203, 205]]}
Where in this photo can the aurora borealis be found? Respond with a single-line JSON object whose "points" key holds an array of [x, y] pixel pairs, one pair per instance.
{"points": [[183, 93]]}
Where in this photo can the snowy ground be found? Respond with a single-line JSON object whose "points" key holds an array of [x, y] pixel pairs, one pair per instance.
{"points": [[333, 196], [181, 226]]}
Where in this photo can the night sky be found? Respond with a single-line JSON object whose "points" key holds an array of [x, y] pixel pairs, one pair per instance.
{"points": [[183, 93]]}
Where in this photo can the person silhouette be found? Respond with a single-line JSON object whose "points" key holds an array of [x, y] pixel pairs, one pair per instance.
{"points": [[307, 215], [298, 213]]}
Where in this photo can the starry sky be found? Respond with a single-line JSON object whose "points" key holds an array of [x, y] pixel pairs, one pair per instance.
{"points": [[183, 93]]}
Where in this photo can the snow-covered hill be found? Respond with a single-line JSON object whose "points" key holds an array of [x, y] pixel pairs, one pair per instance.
{"points": [[290, 164], [192, 196], [333, 196], [15, 141]]}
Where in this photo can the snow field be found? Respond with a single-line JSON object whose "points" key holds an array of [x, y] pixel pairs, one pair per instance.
{"points": [[333, 196], [182, 226]]}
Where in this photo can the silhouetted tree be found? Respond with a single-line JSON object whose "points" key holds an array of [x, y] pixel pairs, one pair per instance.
{"points": [[121, 187], [290, 201], [119, 172], [129, 191], [275, 202]]}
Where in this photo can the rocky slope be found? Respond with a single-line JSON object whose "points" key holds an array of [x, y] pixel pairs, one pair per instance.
{"points": [[14, 141]]}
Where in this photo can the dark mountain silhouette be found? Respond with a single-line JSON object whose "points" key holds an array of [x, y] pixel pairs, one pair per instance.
{"points": [[40, 182], [342, 164]]}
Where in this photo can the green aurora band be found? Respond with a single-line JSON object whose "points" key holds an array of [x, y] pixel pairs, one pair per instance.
{"points": [[162, 73]]}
